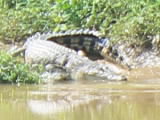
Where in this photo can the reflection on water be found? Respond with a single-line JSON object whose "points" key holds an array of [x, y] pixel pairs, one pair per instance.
{"points": [[96, 101], [147, 74]]}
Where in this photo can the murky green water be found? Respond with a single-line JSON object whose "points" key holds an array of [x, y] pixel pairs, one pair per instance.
{"points": [[81, 101]]}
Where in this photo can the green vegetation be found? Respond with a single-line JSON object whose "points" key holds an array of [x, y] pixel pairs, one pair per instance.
{"points": [[128, 20], [13, 70], [119, 19]]}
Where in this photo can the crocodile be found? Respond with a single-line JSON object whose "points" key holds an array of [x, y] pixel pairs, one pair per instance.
{"points": [[96, 46], [89, 41], [52, 50], [50, 53]]}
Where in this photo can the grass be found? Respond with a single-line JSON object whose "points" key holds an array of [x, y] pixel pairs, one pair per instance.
{"points": [[127, 20]]}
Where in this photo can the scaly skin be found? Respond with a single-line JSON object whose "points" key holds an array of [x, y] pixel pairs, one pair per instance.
{"points": [[88, 41], [49, 49], [47, 52]]}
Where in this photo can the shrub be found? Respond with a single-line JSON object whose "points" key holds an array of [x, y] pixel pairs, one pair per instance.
{"points": [[13, 70], [119, 19]]}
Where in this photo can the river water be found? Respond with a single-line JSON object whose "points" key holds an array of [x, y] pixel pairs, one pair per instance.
{"points": [[136, 99]]}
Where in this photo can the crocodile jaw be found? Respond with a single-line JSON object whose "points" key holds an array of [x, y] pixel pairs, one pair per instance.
{"points": [[95, 73], [83, 76], [117, 78]]}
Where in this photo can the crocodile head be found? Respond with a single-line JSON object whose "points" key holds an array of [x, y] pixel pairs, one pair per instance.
{"points": [[99, 72]]}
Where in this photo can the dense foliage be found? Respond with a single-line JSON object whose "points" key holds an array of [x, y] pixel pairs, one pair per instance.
{"points": [[14, 71], [119, 19]]}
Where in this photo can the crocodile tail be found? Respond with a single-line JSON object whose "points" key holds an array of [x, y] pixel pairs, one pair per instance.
{"points": [[87, 40]]}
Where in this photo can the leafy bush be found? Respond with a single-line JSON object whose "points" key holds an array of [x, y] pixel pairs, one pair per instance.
{"points": [[21, 18], [119, 19], [14, 71]]}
